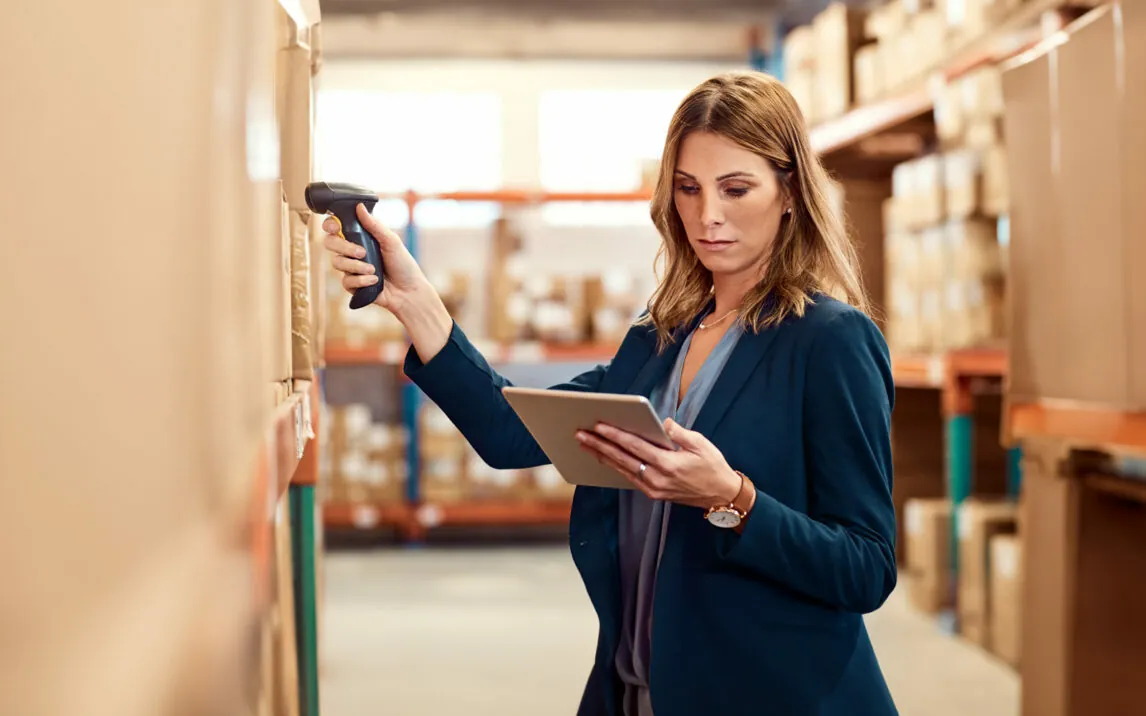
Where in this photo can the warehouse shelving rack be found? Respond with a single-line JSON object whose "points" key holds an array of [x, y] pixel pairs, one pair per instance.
{"points": [[413, 516], [846, 142]]}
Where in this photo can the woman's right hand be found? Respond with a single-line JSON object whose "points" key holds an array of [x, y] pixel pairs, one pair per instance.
{"points": [[404, 279], [406, 293]]}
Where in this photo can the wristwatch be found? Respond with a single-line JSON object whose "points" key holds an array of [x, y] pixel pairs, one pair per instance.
{"points": [[730, 515]]}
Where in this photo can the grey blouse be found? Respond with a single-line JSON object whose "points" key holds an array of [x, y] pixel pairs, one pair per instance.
{"points": [[643, 524]]}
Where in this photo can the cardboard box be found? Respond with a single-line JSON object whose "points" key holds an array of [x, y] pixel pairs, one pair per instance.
{"points": [[978, 521], [1074, 222], [927, 41], [967, 19], [995, 198], [868, 74], [295, 98], [963, 182], [302, 318], [1006, 565], [1084, 573], [927, 529], [281, 348], [283, 617], [886, 21], [974, 249], [930, 197], [319, 270], [838, 32], [799, 50]]}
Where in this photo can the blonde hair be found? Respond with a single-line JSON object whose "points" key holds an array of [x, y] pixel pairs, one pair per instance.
{"points": [[812, 252]]}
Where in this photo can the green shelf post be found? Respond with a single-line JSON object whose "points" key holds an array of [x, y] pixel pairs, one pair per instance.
{"points": [[1014, 472], [303, 544], [960, 449]]}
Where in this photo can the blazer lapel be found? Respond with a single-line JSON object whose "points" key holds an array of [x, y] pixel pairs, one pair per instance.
{"points": [[747, 354], [659, 363]]}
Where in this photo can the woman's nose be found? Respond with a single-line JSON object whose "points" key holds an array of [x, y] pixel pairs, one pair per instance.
{"points": [[712, 212]]}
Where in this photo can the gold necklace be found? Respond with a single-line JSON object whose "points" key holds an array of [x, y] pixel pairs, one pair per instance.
{"points": [[718, 321]]}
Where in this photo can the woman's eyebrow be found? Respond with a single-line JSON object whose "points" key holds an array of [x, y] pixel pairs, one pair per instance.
{"points": [[722, 177]]}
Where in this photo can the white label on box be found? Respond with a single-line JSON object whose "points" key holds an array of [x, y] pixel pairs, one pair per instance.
{"points": [[956, 296], [364, 517], [935, 370], [358, 419], [913, 519], [1005, 561], [393, 352], [377, 437], [429, 515]]}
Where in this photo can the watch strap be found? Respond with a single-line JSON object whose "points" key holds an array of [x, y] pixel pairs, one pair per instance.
{"points": [[742, 503]]}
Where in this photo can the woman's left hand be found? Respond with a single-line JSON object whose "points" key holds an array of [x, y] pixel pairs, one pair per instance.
{"points": [[696, 475]]}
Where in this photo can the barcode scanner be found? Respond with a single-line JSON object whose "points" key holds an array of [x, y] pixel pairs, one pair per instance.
{"points": [[340, 201]]}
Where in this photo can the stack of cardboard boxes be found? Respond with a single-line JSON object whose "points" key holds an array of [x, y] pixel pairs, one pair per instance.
{"points": [[986, 596], [818, 62], [527, 306], [371, 326], [946, 254], [363, 461], [1076, 123], [979, 522], [453, 472]]}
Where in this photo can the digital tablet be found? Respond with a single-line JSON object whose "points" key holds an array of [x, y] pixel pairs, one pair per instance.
{"points": [[553, 417]]}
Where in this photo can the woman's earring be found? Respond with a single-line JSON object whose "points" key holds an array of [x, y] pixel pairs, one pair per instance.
{"points": [[788, 210]]}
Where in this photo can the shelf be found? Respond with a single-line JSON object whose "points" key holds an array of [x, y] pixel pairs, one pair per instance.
{"points": [[870, 120], [1008, 37], [943, 370], [1121, 487], [1080, 424], [411, 520], [393, 352], [501, 513], [918, 371], [367, 517], [977, 362]]}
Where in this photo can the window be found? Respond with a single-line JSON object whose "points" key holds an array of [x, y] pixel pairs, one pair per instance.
{"points": [[425, 141], [600, 141]]}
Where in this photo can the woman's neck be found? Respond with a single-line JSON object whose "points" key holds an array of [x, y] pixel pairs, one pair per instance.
{"points": [[729, 291]]}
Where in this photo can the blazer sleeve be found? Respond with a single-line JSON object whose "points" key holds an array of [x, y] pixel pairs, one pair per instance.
{"points": [[462, 383], [842, 553]]}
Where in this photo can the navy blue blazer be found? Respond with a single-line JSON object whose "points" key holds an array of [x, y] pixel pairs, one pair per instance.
{"points": [[768, 622]]}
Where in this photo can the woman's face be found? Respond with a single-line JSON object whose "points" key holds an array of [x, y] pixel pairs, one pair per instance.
{"points": [[730, 203]]}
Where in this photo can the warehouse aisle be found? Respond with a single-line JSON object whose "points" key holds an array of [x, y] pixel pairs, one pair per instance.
{"points": [[487, 631]]}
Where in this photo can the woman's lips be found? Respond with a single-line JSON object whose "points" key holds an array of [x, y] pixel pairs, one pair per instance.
{"points": [[715, 244]]}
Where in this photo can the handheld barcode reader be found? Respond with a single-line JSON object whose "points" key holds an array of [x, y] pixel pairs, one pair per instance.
{"points": [[340, 200]]}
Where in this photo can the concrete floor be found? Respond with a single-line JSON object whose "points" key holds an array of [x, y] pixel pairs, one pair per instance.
{"points": [[497, 631]]}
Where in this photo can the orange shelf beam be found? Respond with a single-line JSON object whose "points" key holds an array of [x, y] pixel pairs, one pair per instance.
{"points": [[869, 120], [918, 371], [367, 516], [480, 513], [1078, 423]]}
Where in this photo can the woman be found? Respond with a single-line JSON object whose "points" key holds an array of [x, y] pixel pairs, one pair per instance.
{"points": [[734, 578]]}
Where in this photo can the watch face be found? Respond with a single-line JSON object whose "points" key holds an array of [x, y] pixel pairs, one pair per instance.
{"points": [[724, 518]]}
